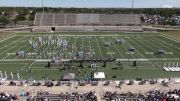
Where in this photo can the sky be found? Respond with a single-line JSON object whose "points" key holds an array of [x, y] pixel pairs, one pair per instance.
{"points": [[92, 3]]}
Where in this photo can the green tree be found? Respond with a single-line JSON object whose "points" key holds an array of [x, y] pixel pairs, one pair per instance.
{"points": [[15, 21], [4, 20]]}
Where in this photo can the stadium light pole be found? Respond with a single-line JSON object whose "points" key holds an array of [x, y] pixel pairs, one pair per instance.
{"points": [[43, 5], [132, 6]]}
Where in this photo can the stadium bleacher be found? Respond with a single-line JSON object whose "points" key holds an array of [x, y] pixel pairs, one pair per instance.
{"points": [[58, 19], [44, 22], [88, 96]]}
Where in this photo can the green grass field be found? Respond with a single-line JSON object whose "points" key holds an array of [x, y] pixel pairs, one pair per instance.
{"points": [[146, 45], [173, 34]]}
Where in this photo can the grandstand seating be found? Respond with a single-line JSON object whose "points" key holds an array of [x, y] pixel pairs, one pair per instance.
{"points": [[58, 19], [88, 96], [70, 19], [45, 19]]}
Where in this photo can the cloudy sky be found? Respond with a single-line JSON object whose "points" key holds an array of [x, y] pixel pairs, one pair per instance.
{"points": [[92, 3]]}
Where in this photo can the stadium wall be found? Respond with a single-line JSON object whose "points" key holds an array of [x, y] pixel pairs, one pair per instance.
{"points": [[86, 28]]}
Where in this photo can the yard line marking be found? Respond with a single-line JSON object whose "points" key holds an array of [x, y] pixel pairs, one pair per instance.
{"points": [[82, 41], [139, 59], [11, 43], [46, 60], [146, 50], [12, 47], [24, 66], [12, 63], [153, 46], [37, 57], [141, 67], [27, 49], [49, 49], [7, 38], [90, 46], [164, 59], [125, 50], [8, 44], [85, 35], [166, 36], [3, 60], [165, 46], [99, 47], [116, 47], [14, 50], [125, 68], [137, 49], [129, 45], [17, 50], [140, 52], [32, 64], [66, 52], [69, 35], [57, 49], [41, 69], [108, 49], [74, 47]]}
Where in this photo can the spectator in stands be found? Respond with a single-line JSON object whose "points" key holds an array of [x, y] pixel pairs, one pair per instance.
{"points": [[7, 97], [155, 95]]}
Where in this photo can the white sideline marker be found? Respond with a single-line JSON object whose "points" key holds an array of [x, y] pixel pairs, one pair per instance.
{"points": [[18, 77], [173, 65], [1, 74], [169, 64], [165, 64], [5, 75], [12, 76], [177, 65]]}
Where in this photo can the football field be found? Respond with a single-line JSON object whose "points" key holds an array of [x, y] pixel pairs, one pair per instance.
{"points": [[28, 54]]}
